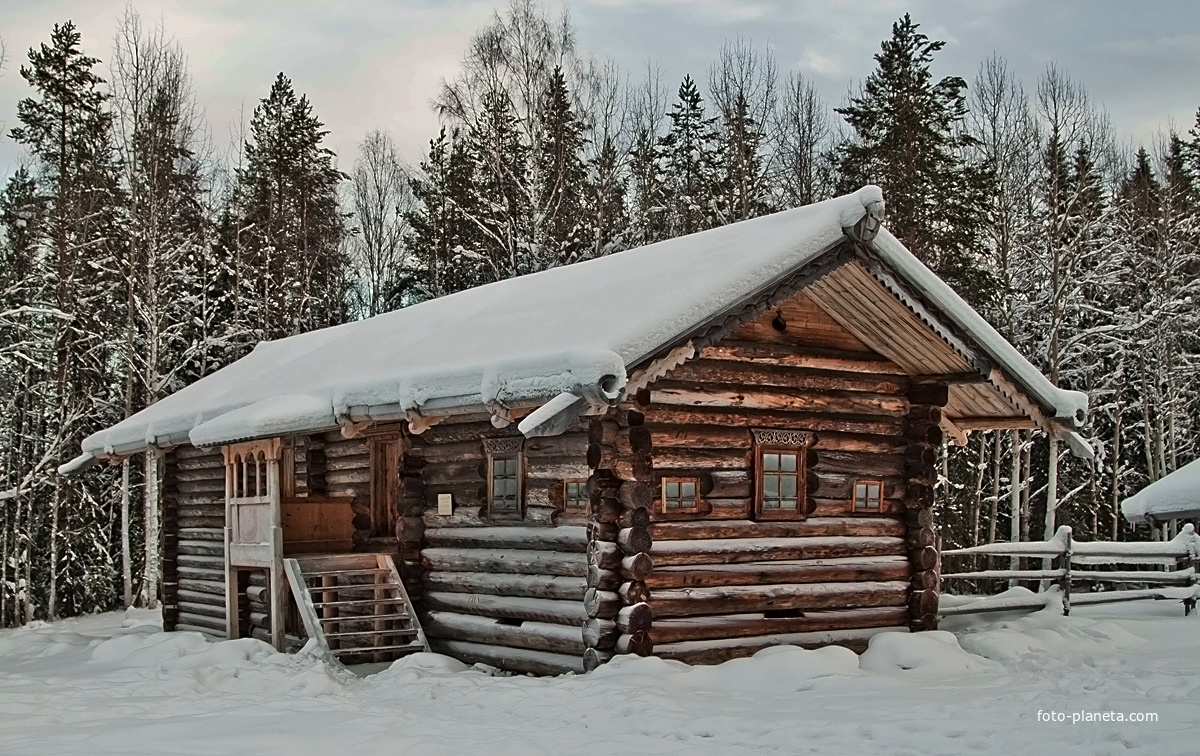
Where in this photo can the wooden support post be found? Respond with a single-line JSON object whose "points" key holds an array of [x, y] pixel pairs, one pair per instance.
{"points": [[1066, 578]]}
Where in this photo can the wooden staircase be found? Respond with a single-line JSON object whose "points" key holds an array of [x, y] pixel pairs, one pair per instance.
{"points": [[355, 606]]}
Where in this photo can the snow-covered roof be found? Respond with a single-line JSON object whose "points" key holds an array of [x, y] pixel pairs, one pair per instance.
{"points": [[1171, 497], [574, 330]]}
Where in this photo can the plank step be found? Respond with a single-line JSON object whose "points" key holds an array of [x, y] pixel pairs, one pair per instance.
{"points": [[398, 616], [372, 633], [416, 646], [339, 573], [352, 587], [360, 602]]}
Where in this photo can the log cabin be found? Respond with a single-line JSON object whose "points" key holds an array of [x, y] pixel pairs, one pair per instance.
{"points": [[695, 450]]}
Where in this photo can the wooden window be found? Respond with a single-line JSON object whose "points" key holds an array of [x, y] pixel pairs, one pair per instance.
{"points": [[780, 462], [506, 477], [680, 495], [868, 496], [575, 495]]}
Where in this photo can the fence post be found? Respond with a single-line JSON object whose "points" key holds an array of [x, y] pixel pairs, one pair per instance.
{"points": [[1066, 578]]}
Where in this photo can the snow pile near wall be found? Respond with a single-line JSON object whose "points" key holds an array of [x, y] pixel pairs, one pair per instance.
{"points": [[1174, 496], [1046, 632], [933, 653]]}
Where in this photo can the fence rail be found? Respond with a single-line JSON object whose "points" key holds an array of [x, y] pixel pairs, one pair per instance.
{"points": [[1070, 554]]}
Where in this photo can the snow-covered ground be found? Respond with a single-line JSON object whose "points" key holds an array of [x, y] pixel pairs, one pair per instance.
{"points": [[109, 684]]}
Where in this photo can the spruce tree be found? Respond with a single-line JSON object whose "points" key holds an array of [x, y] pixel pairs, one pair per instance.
{"points": [[688, 159], [562, 176], [441, 225], [289, 232], [503, 196], [909, 140]]}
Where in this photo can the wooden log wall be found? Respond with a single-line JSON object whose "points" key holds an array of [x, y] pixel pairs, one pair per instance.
{"points": [[504, 592], [194, 541], [924, 435], [722, 584], [619, 456]]}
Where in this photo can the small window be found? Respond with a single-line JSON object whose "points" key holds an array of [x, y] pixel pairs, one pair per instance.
{"points": [[505, 485], [505, 477], [868, 496], [575, 494], [780, 458], [781, 480], [680, 495]]}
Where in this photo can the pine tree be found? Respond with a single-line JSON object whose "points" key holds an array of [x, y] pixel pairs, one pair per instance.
{"points": [[688, 159], [909, 141]]}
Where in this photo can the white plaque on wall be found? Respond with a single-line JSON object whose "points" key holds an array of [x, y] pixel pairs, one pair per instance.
{"points": [[445, 504]]}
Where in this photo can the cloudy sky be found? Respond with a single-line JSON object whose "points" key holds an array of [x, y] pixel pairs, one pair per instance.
{"points": [[369, 64]]}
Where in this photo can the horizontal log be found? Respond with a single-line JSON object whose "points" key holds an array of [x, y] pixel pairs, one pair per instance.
{"points": [[520, 561], [633, 441], [813, 526], [599, 603], [201, 548], [603, 432], [670, 392], [634, 540], [638, 643], [675, 630], [189, 620], [211, 575], [923, 602], [600, 633], [200, 597], [203, 586], [718, 651], [569, 539], [848, 569], [637, 567], [513, 659], [212, 475], [533, 586], [634, 592], [603, 531], [201, 534], [593, 658], [702, 459], [738, 550], [203, 462], [925, 558], [638, 517], [737, 599], [346, 464], [458, 472], [509, 607], [635, 618], [605, 580], [208, 562], [604, 554], [751, 374], [800, 357], [537, 636], [635, 494], [817, 422]]}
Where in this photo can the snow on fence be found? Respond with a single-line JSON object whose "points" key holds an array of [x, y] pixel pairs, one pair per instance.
{"points": [[1177, 583]]}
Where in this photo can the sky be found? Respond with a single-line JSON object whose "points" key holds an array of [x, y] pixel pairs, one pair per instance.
{"points": [[368, 64]]}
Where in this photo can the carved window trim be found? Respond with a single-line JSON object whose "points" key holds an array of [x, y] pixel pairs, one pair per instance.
{"points": [[862, 502], [668, 494], [784, 442], [508, 449]]}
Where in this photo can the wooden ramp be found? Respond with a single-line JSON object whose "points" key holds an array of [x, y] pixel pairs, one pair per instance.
{"points": [[355, 606]]}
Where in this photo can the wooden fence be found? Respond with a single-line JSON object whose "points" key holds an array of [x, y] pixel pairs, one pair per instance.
{"points": [[1169, 565]]}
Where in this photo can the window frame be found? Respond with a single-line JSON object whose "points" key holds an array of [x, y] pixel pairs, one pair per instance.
{"points": [[773, 441], [511, 448], [681, 510], [867, 497], [582, 495]]}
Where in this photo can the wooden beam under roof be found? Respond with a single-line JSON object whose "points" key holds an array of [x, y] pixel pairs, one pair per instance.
{"points": [[952, 379], [1011, 422]]}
